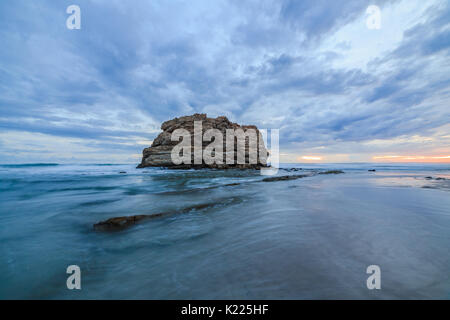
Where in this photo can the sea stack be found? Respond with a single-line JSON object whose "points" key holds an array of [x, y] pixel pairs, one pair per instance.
{"points": [[159, 154]]}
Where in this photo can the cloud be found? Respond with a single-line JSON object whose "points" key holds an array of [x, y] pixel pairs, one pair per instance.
{"points": [[310, 68]]}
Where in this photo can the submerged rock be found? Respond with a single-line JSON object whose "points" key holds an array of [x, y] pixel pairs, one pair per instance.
{"points": [[291, 169], [284, 178], [438, 178], [332, 172], [120, 223], [159, 154]]}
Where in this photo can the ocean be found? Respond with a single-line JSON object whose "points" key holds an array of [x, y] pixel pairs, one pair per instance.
{"points": [[235, 236]]}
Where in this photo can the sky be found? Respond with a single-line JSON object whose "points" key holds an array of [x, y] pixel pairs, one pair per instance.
{"points": [[337, 90]]}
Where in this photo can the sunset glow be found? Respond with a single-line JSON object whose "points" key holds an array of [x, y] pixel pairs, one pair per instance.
{"points": [[311, 158], [397, 158]]}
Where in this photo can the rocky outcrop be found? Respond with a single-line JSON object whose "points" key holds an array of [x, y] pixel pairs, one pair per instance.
{"points": [[159, 154], [120, 223], [284, 178], [332, 172]]}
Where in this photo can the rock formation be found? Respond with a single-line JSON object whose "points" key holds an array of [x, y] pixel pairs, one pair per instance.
{"points": [[159, 154]]}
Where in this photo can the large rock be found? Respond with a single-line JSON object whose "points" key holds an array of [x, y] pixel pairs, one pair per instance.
{"points": [[159, 154]]}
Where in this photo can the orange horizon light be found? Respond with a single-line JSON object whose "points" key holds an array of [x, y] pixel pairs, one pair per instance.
{"points": [[397, 158], [309, 158]]}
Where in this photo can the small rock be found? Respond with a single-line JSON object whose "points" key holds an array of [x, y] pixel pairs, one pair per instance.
{"points": [[118, 223], [284, 178], [332, 172]]}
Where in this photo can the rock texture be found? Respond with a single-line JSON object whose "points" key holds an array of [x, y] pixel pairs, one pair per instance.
{"points": [[120, 223], [159, 154]]}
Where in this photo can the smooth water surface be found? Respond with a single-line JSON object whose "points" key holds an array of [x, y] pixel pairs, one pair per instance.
{"points": [[310, 238]]}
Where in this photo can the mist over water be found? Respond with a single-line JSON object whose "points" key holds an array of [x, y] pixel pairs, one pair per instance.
{"points": [[309, 238]]}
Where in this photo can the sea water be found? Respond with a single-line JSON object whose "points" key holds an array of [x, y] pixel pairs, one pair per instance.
{"points": [[243, 238]]}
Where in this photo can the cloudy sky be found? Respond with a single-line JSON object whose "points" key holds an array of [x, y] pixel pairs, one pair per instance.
{"points": [[337, 90]]}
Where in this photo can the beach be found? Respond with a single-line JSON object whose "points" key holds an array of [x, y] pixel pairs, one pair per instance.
{"points": [[229, 234]]}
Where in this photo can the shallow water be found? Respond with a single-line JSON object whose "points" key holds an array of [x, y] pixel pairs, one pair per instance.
{"points": [[307, 238]]}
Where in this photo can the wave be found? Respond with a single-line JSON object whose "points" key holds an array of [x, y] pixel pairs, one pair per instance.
{"points": [[27, 165], [107, 164], [97, 202]]}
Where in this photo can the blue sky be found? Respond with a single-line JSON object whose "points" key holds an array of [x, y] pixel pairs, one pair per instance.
{"points": [[335, 88]]}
